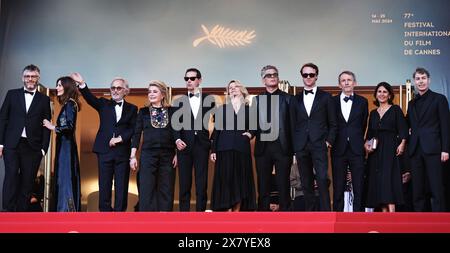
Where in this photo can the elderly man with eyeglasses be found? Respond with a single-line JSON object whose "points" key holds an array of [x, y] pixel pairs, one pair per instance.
{"points": [[113, 141]]}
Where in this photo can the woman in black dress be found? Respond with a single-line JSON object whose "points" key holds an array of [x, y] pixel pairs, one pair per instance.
{"points": [[158, 159], [387, 126], [233, 185], [67, 166]]}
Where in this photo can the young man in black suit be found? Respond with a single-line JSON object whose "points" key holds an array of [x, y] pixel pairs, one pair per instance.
{"points": [[113, 142], [314, 127], [428, 117], [190, 122], [23, 139], [352, 111], [273, 140]]}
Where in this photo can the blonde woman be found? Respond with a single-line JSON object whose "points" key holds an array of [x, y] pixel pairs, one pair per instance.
{"points": [[158, 160], [233, 185]]}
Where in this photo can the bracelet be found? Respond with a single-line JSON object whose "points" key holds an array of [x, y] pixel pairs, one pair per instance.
{"points": [[133, 157]]}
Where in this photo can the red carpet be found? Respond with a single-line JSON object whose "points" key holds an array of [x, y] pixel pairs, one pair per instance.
{"points": [[254, 222]]}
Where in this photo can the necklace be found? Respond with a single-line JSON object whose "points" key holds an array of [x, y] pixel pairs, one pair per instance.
{"points": [[159, 117], [384, 108]]}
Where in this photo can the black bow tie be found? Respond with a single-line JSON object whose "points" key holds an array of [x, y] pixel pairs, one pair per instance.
{"points": [[309, 91], [196, 94], [117, 103], [28, 92], [346, 99]]}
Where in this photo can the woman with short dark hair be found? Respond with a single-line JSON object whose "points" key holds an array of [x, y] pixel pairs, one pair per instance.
{"points": [[385, 142]]}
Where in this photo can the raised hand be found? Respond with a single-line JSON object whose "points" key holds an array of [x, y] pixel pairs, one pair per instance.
{"points": [[77, 78]]}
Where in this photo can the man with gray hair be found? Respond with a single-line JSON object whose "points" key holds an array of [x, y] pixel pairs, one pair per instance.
{"points": [[273, 140], [23, 140], [113, 141], [348, 151]]}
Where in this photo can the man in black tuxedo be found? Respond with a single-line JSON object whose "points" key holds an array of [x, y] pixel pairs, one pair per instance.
{"points": [[428, 117], [23, 139], [348, 150], [190, 122], [113, 142], [273, 140], [314, 127]]}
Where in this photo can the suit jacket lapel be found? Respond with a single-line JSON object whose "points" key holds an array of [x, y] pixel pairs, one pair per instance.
{"points": [[113, 108], [185, 103], [413, 109], [36, 99], [262, 114], [338, 104], [302, 104], [426, 105], [200, 106], [316, 100], [21, 98], [355, 104]]}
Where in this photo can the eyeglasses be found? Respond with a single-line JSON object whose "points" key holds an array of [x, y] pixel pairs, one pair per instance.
{"points": [[29, 76], [117, 88], [192, 78], [309, 75], [271, 75]]}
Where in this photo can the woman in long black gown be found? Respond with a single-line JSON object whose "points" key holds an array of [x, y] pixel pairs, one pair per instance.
{"points": [[233, 185], [388, 126], [67, 166]]}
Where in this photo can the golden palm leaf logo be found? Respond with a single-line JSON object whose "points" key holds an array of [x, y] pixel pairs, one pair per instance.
{"points": [[223, 37]]}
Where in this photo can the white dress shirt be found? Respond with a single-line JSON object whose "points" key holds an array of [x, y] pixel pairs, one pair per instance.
{"points": [[346, 107], [28, 100], [194, 101], [309, 99], [119, 109]]}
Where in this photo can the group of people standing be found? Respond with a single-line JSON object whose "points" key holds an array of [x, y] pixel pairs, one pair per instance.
{"points": [[176, 137]]}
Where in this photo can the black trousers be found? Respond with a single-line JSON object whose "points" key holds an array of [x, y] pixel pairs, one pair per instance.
{"points": [[156, 180], [110, 166], [21, 166], [196, 157], [427, 167], [355, 163], [273, 156], [313, 159]]}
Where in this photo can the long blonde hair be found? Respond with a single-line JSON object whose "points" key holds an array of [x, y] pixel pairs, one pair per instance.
{"points": [[164, 91], [241, 88]]}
